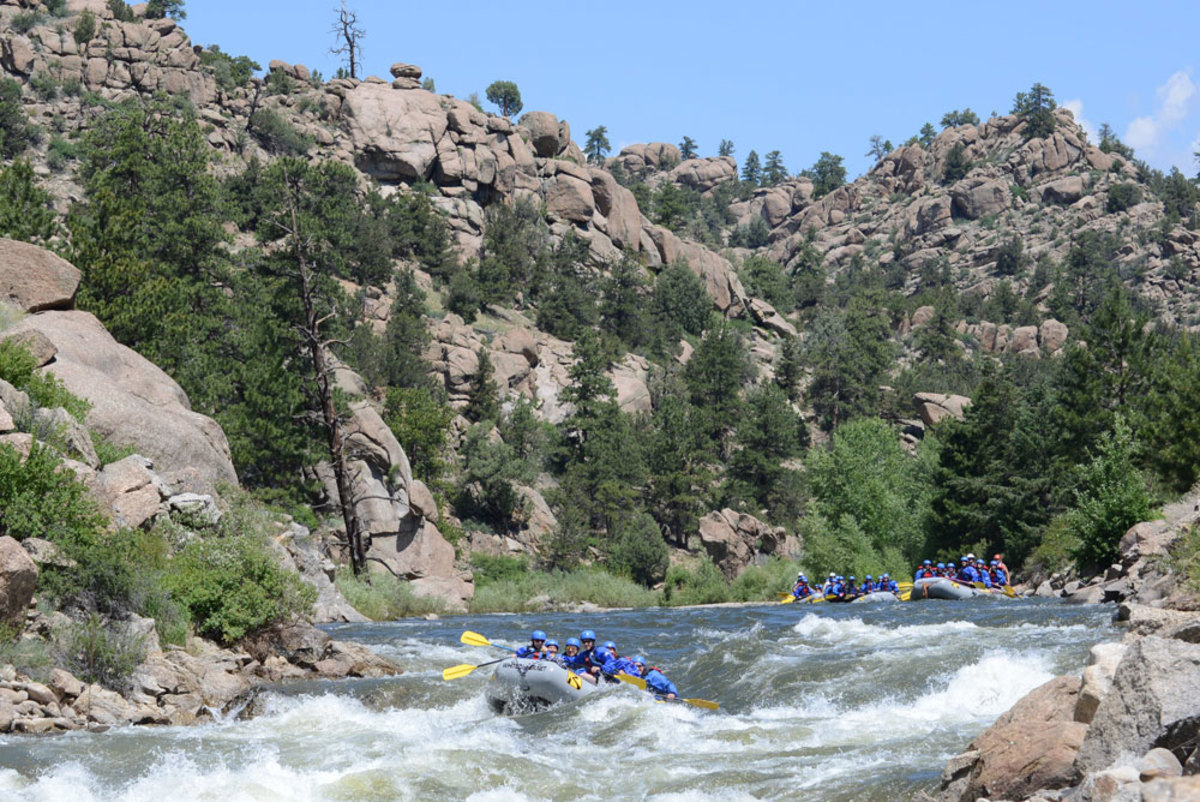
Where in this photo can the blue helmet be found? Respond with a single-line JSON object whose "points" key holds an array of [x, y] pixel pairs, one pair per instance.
{"points": [[941, 565], [610, 645], [552, 642], [884, 575], [574, 642], [537, 634], [802, 578], [927, 562], [852, 577], [868, 576], [587, 634], [840, 577], [638, 660]]}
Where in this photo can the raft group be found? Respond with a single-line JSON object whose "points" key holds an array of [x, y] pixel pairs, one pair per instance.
{"points": [[971, 571], [594, 663]]}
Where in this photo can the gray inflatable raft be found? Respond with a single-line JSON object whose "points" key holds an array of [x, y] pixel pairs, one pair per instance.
{"points": [[939, 587], [877, 596], [526, 686]]}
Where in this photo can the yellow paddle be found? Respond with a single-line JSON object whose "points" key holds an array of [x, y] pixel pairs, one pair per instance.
{"points": [[640, 683], [459, 671], [905, 595], [475, 639]]}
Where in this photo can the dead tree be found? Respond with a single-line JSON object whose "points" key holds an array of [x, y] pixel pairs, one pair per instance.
{"points": [[305, 279], [349, 37]]}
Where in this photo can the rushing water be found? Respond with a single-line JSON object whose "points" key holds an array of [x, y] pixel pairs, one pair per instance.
{"points": [[828, 702]]}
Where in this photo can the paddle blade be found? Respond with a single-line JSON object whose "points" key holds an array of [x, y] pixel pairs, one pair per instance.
{"points": [[790, 598], [707, 705], [636, 682], [474, 639], [903, 585], [1009, 592], [906, 595], [782, 594], [457, 672]]}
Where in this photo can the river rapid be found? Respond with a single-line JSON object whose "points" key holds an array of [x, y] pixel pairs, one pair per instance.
{"points": [[821, 702]]}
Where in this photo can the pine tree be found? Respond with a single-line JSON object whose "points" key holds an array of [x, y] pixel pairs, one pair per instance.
{"points": [[597, 144], [483, 400], [752, 169]]}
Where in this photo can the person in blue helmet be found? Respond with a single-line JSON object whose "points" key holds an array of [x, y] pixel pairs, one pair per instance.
{"points": [[571, 658], [850, 589], [982, 571], [537, 641], [868, 585], [966, 571], [801, 590], [925, 571], [887, 583], [834, 587], [656, 682]]}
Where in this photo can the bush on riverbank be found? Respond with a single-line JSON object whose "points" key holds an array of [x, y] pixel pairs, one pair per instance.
{"points": [[384, 597], [532, 592]]}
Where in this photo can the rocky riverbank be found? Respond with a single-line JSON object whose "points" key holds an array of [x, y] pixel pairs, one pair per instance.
{"points": [[1128, 729]]}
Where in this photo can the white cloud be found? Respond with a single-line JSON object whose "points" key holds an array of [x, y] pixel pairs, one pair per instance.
{"points": [[1076, 109], [1174, 99]]}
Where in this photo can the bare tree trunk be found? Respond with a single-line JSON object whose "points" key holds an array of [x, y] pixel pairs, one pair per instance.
{"points": [[330, 420]]}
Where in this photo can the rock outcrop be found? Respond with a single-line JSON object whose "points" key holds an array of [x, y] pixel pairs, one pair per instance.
{"points": [[734, 540]]}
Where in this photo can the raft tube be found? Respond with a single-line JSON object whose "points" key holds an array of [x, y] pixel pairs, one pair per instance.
{"points": [[877, 596], [521, 686], [939, 587]]}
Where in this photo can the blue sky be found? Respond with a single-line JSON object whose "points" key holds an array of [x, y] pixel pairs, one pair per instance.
{"points": [[799, 77]]}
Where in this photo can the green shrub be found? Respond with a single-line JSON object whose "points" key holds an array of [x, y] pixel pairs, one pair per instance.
{"points": [[26, 210], [383, 597], [120, 10], [59, 152], [229, 71], [85, 27], [232, 586], [25, 21], [39, 500], [540, 590], [18, 367], [705, 585], [44, 85], [638, 550], [490, 569], [29, 656], [277, 135], [762, 582], [57, 8], [96, 651], [1123, 196], [16, 133]]}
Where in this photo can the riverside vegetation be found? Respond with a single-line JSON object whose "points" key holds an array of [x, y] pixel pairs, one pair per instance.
{"points": [[777, 328]]}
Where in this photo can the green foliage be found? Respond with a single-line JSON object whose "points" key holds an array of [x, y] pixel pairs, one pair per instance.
{"points": [[768, 432], [156, 9], [755, 234], [383, 597], [764, 278], [105, 652], [487, 483], [1036, 110], [229, 71], [673, 206], [848, 352], [681, 300], [955, 118], [597, 145], [927, 135], [85, 27], [703, 585], [232, 586], [489, 569], [59, 152], [623, 309], [761, 582], [44, 85], [514, 251], [18, 367], [24, 21], [715, 375], [687, 148], [869, 499], [39, 500], [16, 133], [483, 399], [536, 591], [506, 96], [827, 174], [120, 10], [1122, 196], [26, 211], [1111, 497], [880, 147], [774, 172], [752, 169], [725, 148], [420, 420], [464, 297], [677, 458], [57, 8], [277, 135], [1010, 257], [638, 550], [957, 165]]}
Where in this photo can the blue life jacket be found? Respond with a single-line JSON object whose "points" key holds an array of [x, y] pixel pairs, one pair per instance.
{"points": [[529, 652], [868, 587], [968, 574], [801, 592], [572, 662], [620, 665], [658, 683]]}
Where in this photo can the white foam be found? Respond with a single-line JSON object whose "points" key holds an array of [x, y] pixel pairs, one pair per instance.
{"points": [[827, 630]]}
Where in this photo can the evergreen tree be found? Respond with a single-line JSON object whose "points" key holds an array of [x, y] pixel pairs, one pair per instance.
{"points": [[687, 148], [715, 375], [26, 211], [483, 400], [827, 174], [927, 135], [725, 148], [957, 165], [773, 170], [623, 304], [506, 96], [597, 144], [15, 132], [1036, 109], [955, 118], [790, 368], [677, 456], [848, 353], [880, 147], [768, 431], [681, 301], [752, 169]]}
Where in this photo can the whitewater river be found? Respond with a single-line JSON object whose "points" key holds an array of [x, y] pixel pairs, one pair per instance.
{"points": [[830, 702]]}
